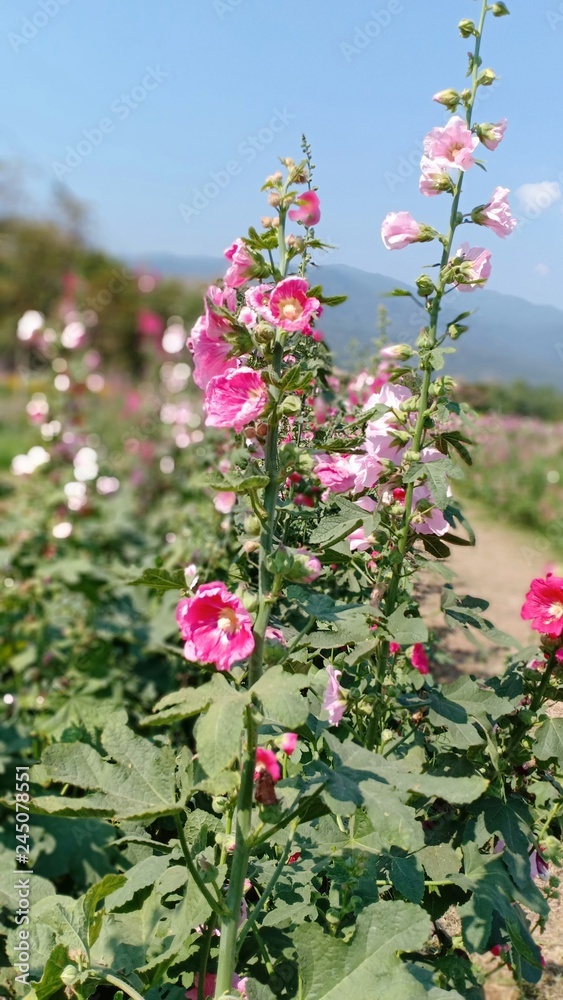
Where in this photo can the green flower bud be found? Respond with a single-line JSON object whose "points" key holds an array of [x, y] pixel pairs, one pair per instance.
{"points": [[487, 77], [69, 975], [500, 10], [412, 456], [264, 333], [467, 28], [455, 330], [252, 525], [290, 406], [449, 98], [425, 285], [219, 804], [424, 341]]}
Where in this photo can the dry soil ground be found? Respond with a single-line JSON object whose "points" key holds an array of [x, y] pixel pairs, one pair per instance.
{"points": [[499, 569]]}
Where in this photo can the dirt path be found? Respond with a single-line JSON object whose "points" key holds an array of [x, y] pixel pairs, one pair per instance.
{"points": [[499, 569]]}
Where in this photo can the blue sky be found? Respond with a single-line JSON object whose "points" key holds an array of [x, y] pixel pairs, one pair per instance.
{"points": [[179, 97]]}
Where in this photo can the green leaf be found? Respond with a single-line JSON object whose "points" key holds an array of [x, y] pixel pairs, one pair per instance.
{"points": [[280, 699], [440, 860], [368, 965], [161, 580], [219, 732], [406, 631], [407, 875], [548, 743], [335, 527], [188, 701], [140, 785]]}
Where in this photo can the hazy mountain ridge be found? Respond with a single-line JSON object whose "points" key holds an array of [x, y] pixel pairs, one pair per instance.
{"points": [[509, 338]]}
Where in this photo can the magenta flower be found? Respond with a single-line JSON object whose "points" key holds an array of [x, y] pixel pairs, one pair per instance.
{"points": [[394, 647], [334, 702], [309, 212], [419, 659], [225, 298], [475, 267], [451, 146], [216, 626], [266, 760], [544, 606], [206, 340], [235, 398], [241, 264], [496, 214], [290, 307], [399, 229], [258, 298], [288, 743], [275, 635], [434, 178], [492, 135]]}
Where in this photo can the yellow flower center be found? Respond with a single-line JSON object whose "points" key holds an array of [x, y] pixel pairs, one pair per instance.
{"points": [[291, 309], [227, 621]]}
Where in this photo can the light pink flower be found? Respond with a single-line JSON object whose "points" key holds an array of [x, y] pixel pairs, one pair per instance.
{"points": [[224, 298], [476, 267], [288, 743], [290, 307], [538, 867], [206, 340], [235, 398], [275, 635], [247, 317], [209, 986], [224, 502], [334, 702], [309, 212], [266, 760], [427, 520], [358, 542], [434, 178], [492, 135], [419, 658], [257, 298], [335, 472], [306, 567], [544, 606], [496, 214], [216, 626], [398, 229], [241, 264], [451, 146]]}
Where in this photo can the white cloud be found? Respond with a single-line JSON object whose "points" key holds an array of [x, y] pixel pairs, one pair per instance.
{"points": [[542, 270], [535, 198]]}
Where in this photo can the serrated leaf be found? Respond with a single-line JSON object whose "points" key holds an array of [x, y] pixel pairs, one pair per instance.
{"points": [[219, 732], [548, 742], [279, 696], [406, 631], [161, 580], [407, 875], [187, 702]]}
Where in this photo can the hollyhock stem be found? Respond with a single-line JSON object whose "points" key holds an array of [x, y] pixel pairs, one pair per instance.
{"points": [[213, 903], [229, 925], [392, 593]]}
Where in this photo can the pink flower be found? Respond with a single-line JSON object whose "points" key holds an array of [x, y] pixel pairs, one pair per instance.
{"points": [[335, 472], [266, 760], [247, 317], [399, 229], [358, 542], [309, 212], [290, 307], [224, 502], [275, 635], [492, 135], [559, 655], [498, 949], [394, 647], [452, 145], [434, 178], [209, 986], [538, 867], [419, 658], [544, 606], [235, 398], [496, 214], [216, 626], [288, 743], [475, 267], [258, 298], [241, 264], [308, 566], [210, 355], [224, 298], [334, 702], [428, 519], [150, 324]]}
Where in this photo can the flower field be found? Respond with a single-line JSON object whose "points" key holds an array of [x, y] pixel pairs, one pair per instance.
{"points": [[229, 771]]}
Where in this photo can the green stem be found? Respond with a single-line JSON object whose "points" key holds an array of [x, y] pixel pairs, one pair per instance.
{"points": [[114, 981], [215, 905], [257, 909], [394, 585], [230, 922], [205, 959]]}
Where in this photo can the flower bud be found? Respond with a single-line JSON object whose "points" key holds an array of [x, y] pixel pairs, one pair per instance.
{"points": [[486, 78], [449, 98], [266, 221], [274, 199], [252, 525], [424, 340], [69, 975], [412, 456], [290, 406], [425, 285], [467, 28], [219, 804], [264, 333], [455, 330], [275, 222], [500, 10], [401, 352]]}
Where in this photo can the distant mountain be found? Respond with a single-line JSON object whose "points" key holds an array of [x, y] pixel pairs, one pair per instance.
{"points": [[509, 338]]}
